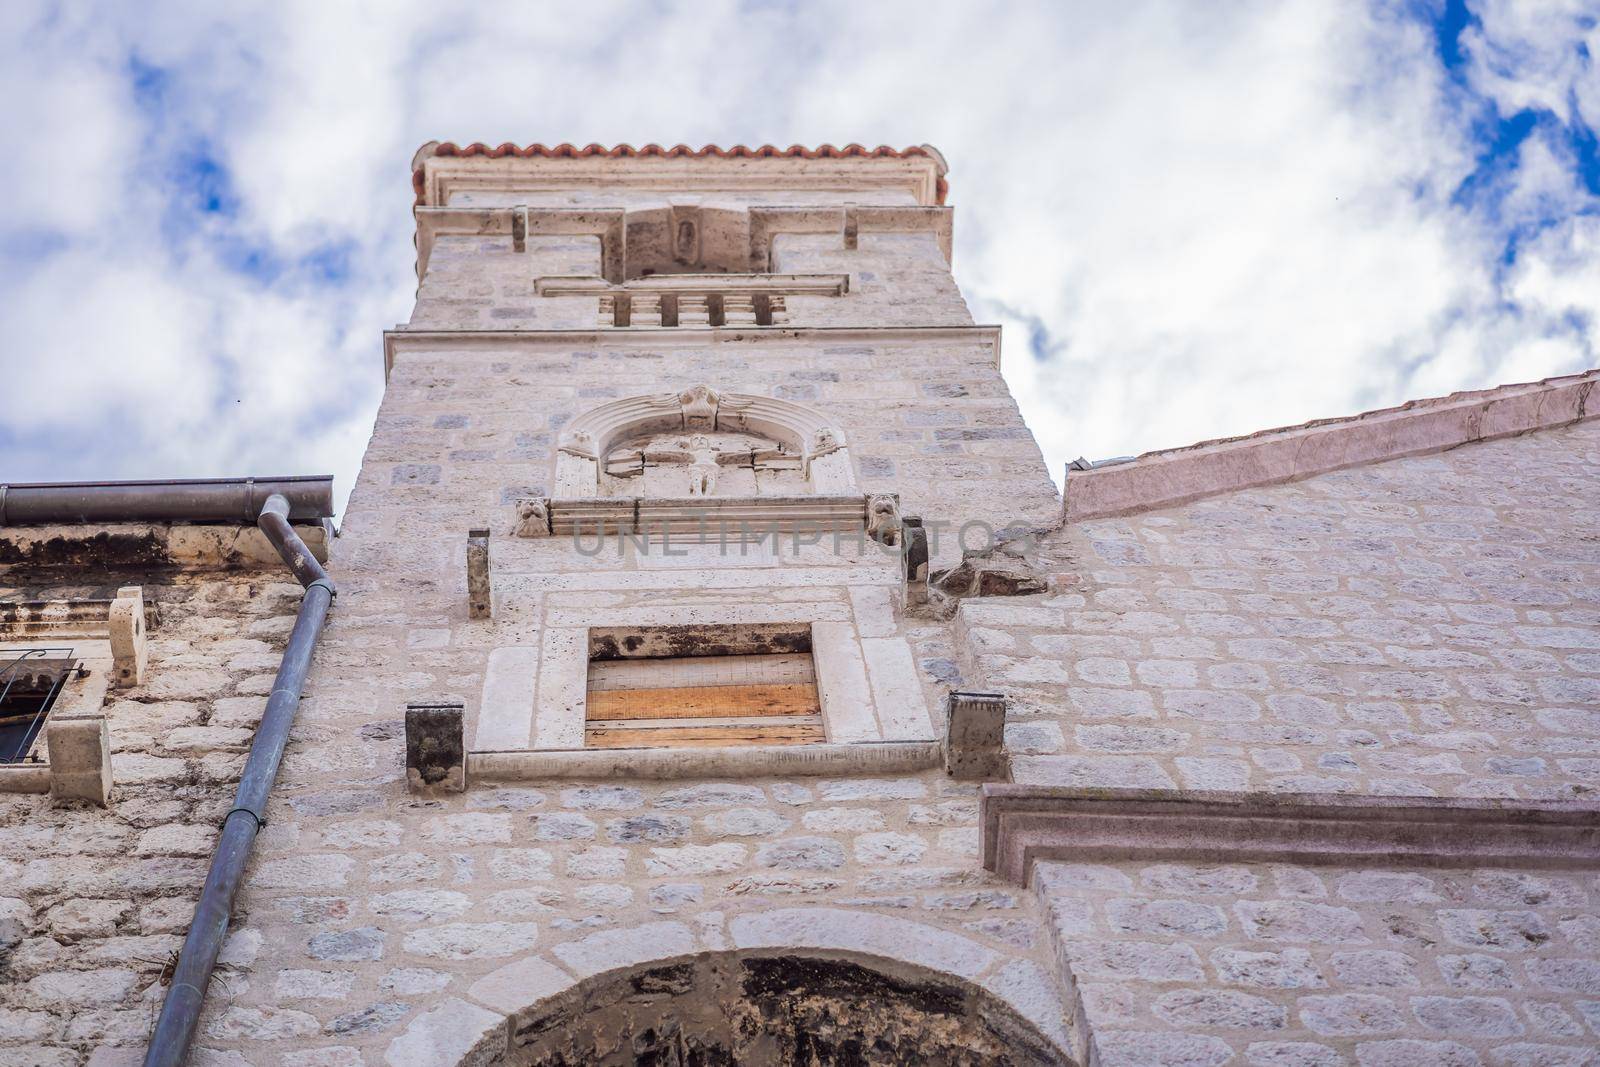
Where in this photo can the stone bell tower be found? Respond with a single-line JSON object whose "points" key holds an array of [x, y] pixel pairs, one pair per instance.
{"points": [[633, 664], [693, 397]]}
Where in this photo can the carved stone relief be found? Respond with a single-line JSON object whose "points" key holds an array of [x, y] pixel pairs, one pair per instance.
{"points": [[700, 442], [701, 464]]}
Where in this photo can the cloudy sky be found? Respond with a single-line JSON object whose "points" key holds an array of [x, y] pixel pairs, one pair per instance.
{"points": [[1193, 219]]}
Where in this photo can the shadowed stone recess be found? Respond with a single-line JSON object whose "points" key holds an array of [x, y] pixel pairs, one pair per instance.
{"points": [[724, 1010]]}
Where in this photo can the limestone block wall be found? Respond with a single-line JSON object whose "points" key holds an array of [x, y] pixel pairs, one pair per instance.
{"points": [[374, 909], [481, 283], [896, 279], [94, 901], [1279, 964], [1429, 625]]}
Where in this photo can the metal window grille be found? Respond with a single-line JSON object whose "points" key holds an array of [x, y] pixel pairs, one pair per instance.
{"points": [[30, 681]]}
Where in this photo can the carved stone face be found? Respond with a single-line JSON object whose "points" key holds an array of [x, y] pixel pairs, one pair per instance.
{"points": [[581, 441], [824, 440], [699, 406]]}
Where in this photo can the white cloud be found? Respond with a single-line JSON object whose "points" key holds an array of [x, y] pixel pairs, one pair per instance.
{"points": [[1221, 217]]}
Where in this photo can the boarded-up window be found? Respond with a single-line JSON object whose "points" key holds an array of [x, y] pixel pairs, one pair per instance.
{"points": [[674, 687]]}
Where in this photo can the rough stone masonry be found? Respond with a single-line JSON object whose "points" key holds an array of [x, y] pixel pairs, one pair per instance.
{"points": [[1406, 606]]}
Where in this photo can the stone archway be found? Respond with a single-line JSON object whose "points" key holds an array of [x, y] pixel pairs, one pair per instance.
{"points": [[789, 987], [772, 1009]]}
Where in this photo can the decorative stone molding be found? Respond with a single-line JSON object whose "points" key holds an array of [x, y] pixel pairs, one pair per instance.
{"points": [[1022, 824], [1178, 476], [577, 498], [533, 517]]}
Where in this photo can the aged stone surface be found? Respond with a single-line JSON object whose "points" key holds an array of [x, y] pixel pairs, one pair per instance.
{"points": [[1424, 625]]}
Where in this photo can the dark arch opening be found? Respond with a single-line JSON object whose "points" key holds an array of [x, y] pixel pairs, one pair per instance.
{"points": [[769, 1009]]}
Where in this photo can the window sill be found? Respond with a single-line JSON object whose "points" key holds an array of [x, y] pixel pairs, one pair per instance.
{"points": [[752, 761]]}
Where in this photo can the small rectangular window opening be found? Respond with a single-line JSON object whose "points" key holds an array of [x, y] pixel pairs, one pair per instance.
{"points": [[689, 686], [30, 681]]}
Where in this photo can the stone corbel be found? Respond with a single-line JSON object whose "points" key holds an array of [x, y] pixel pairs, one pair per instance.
{"points": [[480, 600], [914, 561], [129, 649], [80, 758], [974, 744], [533, 518], [883, 518], [436, 760]]}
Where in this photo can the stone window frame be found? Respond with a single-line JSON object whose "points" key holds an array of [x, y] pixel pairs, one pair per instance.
{"points": [[74, 726], [876, 716]]}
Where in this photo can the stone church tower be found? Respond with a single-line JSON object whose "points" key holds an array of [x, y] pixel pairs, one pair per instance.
{"points": [[716, 676]]}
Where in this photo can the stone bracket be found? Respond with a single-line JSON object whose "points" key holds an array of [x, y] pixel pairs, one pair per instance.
{"points": [[974, 740], [129, 650], [480, 599], [436, 759], [914, 560], [1022, 824], [80, 758]]}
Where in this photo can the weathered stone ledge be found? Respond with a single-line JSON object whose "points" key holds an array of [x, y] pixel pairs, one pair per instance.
{"points": [[150, 544], [655, 336], [1178, 476], [1022, 824], [754, 761]]}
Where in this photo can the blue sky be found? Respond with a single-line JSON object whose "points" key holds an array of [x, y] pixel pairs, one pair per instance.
{"points": [[1194, 220]]}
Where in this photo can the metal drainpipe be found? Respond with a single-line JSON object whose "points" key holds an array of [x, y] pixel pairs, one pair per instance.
{"points": [[180, 1011]]}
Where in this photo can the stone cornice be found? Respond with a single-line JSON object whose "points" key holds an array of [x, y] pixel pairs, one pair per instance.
{"points": [[1178, 476], [438, 170], [1022, 824], [755, 224], [678, 336]]}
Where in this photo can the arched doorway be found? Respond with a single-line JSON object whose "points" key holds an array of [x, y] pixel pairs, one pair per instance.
{"points": [[771, 1008]]}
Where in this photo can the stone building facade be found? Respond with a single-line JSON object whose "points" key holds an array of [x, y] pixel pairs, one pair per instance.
{"points": [[1301, 736]]}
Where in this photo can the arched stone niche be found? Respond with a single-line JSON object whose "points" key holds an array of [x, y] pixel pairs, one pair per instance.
{"points": [[797, 987], [701, 447]]}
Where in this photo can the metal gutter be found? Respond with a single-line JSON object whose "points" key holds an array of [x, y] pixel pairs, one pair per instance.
{"points": [[213, 500], [180, 1011]]}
